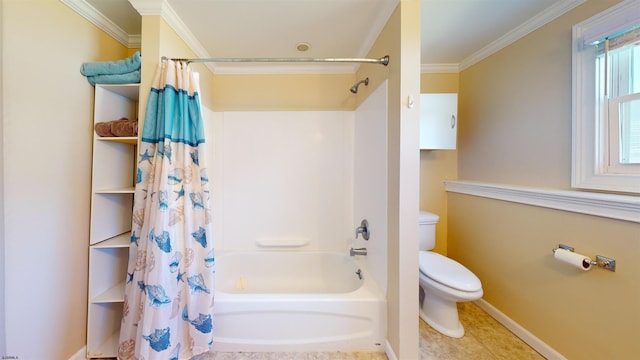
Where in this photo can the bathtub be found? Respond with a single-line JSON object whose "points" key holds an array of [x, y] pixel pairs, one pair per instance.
{"points": [[296, 301]]}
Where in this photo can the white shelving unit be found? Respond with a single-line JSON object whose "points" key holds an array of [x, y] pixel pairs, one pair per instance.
{"points": [[112, 187]]}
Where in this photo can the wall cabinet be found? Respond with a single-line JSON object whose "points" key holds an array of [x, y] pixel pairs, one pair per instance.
{"points": [[112, 187], [438, 121]]}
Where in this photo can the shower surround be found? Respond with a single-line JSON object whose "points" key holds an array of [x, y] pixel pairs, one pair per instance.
{"points": [[286, 202], [283, 175]]}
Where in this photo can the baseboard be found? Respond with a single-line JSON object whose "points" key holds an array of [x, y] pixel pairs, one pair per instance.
{"points": [[80, 354], [389, 351], [537, 344]]}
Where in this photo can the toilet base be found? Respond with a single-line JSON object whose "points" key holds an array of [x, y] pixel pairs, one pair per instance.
{"points": [[441, 315]]}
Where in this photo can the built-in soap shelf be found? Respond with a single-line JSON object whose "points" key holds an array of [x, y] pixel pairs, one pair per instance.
{"points": [[282, 242]]}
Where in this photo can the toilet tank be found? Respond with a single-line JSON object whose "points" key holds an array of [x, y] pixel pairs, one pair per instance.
{"points": [[427, 230]]}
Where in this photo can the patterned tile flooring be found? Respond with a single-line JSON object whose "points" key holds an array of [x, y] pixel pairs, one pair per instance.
{"points": [[485, 339]]}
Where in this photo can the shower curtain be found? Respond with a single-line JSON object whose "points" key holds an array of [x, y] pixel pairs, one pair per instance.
{"points": [[167, 311]]}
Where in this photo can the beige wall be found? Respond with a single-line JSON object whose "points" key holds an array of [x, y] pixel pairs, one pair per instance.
{"points": [[158, 40], [47, 122], [582, 315], [400, 39], [515, 108], [439, 83], [437, 166], [2, 259], [515, 128], [293, 92]]}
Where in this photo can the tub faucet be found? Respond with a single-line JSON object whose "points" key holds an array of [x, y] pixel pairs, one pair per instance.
{"points": [[358, 251], [363, 229]]}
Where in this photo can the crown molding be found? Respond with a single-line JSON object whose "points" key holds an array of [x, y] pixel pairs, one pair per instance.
{"points": [[135, 41], [163, 9], [439, 68], [549, 14], [149, 7], [614, 206], [174, 21], [95, 17]]}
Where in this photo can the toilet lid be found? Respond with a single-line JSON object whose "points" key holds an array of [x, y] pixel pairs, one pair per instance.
{"points": [[448, 272]]}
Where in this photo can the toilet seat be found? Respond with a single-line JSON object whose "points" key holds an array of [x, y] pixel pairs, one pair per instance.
{"points": [[448, 272]]}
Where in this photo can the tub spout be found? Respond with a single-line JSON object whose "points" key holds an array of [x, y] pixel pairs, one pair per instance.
{"points": [[358, 251]]}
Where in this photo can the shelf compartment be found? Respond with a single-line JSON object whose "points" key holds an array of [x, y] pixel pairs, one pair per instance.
{"points": [[107, 269], [104, 330], [110, 215], [113, 102], [115, 165], [129, 91], [118, 241], [112, 295]]}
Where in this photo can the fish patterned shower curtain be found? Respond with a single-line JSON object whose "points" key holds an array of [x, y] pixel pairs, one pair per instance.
{"points": [[167, 311]]}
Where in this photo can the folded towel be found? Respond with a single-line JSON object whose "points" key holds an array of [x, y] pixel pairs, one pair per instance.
{"points": [[104, 129], [128, 78], [112, 67], [124, 127], [117, 128]]}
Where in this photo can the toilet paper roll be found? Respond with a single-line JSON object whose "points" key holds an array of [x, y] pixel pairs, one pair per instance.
{"points": [[578, 260]]}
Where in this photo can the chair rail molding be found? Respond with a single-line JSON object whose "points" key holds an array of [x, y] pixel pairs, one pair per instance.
{"points": [[620, 207]]}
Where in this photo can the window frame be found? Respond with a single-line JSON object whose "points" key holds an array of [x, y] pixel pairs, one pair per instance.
{"points": [[590, 142], [613, 151]]}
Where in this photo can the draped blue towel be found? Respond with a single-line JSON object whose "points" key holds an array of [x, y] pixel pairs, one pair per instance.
{"points": [[128, 78], [123, 66]]}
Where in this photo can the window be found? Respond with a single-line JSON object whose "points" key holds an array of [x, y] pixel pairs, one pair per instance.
{"points": [[606, 100], [618, 93]]}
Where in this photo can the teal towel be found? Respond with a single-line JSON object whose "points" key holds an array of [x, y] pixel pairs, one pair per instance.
{"points": [[123, 66], [128, 78]]}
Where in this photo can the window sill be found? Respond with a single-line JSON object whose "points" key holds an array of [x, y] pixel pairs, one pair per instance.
{"points": [[620, 207]]}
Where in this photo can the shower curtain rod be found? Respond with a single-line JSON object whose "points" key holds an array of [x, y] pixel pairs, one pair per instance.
{"points": [[383, 60]]}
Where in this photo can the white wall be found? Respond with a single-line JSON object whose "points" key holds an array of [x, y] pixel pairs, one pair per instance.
{"points": [[370, 180], [282, 175]]}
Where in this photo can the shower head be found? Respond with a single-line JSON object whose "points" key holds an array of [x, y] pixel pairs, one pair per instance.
{"points": [[354, 88]]}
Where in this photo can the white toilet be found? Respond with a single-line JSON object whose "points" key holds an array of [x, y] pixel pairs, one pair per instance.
{"points": [[444, 282]]}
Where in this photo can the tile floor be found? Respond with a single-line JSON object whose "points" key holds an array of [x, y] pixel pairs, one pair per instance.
{"points": [[485, 339]]}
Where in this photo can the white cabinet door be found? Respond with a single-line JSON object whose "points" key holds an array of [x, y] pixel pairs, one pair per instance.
{"points": [[438, 121]]}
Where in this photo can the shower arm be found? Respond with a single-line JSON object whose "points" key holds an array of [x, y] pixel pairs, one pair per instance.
{"points": [[354, 88]]}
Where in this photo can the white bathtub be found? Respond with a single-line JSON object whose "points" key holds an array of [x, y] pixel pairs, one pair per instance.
{"points": [[296, 301]]}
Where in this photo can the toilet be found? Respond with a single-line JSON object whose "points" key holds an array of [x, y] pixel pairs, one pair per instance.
{"points": [[443, 281]]}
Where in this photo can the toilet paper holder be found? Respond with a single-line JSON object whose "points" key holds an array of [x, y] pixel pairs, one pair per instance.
{"points": [[601, 261]]}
